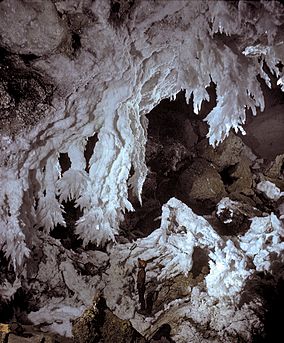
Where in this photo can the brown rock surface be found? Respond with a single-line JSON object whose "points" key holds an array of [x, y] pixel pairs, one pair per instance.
{"points": [[99, 325], [226, 154], [200, 185]]}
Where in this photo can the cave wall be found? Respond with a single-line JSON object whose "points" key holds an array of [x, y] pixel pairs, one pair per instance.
{"points": [[80, 69]]}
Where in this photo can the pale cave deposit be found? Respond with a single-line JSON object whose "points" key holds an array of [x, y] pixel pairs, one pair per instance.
{"points": [[141, 171]]}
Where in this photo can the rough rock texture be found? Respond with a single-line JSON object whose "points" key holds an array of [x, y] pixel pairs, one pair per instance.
{"points": [[195, 296], [16, 333], [99, 324], [200, 184], [25, 93], [37, 28]]}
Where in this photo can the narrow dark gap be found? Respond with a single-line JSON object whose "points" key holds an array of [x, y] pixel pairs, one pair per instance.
{"points": [[28, 58], [76, 42], [67, 235], [119, 11], [89, 149], [6, 270], [200, 259], [15, 308], [115, 7], [282, 169], [3, 55], [64, 162], [280, 66]]}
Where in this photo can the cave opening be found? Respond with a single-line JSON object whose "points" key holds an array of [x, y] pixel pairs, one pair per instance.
{"points": [[176, 138], [181, 163], [226, 175]]}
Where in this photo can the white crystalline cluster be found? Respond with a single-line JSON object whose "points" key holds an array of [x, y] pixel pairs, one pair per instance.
{"points": [[12, 239], [263, 240], [172, 245], [270, 190], [57, 317], [105, 89], [181, 231], [256, 50], [49, 210], [228, 271], [110, 86], [229, 205], [169, 254]]}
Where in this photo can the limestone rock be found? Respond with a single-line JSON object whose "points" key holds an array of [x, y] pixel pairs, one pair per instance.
{"points": [[30, 27], [270, 191], [169, 156], [235, 216], [276, 169], [243, 178], [99, 324], [275, 172], [226, 154], [25, 94], [201, 185], [16, 333]]}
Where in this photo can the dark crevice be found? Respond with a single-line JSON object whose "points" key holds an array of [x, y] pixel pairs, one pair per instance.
{"points": [[28, 58], [120, 10], [67, 235], [226, 175], [89, 150], [16, 308], [163, 334], [200, 259], [64, 162], [3, 54], [115, 6], [280, 66], [268, 288], [282, 169], [76, 42]]}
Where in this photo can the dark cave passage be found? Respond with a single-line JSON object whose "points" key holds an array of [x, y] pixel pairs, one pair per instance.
{"points": [[181, 163], [269, 289], [174, 132]]}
